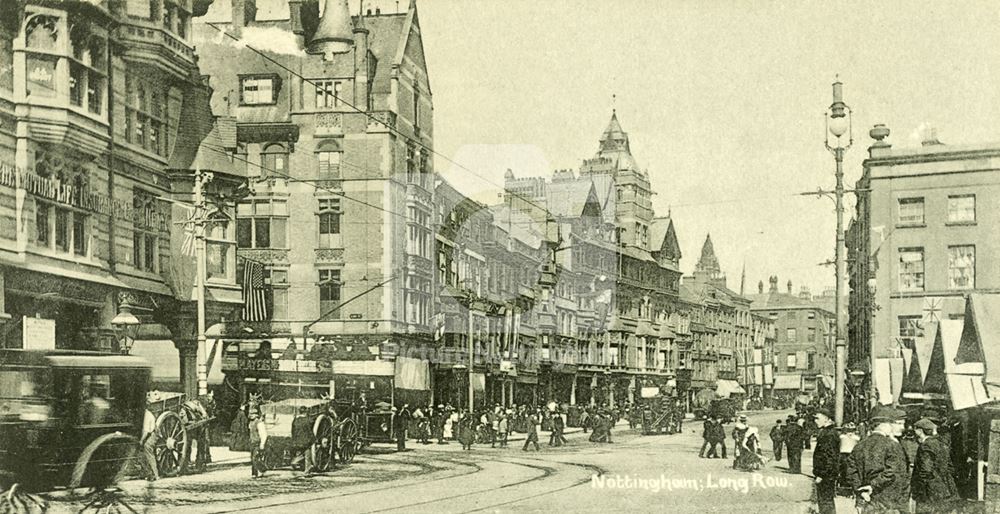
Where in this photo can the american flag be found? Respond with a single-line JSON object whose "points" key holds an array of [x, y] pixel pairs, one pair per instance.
{"points": [[254, 306]]}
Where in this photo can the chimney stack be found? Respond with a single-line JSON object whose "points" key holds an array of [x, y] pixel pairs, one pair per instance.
{"points": [[362, 67], [760, 287], [789, 284], [804, 293], [244, 12], [773, 280], [930, 137]]}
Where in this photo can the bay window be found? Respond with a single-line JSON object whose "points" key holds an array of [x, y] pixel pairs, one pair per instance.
{"points": [[218, 242], [43, 45], [62, 229], [145, 232], [146, 114]]}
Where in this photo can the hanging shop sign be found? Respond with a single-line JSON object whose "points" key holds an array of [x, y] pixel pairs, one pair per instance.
{"points": [[38, 333]]}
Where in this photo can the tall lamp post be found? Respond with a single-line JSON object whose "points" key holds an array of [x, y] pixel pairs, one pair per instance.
{"points": [[838, 123]]}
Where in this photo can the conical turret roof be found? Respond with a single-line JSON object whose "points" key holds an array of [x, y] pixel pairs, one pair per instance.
{"points": [[614, 130], [708, 260]]}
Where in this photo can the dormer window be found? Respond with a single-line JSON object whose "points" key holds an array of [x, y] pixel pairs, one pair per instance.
{"points": [[259, 89]]}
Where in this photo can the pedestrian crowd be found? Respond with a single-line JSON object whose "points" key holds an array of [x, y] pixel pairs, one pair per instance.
{"points": [[901, 466], [442, 422]]}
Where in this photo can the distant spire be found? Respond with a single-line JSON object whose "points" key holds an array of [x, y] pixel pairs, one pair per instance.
{"points": [[708, 262], [743, 278]]}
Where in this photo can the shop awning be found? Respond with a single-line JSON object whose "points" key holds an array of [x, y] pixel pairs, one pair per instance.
{"points": [[726, 388], [889, 379], [371, 368], [527, 379], [980, 340], [918, 364], [788, 382], [413, 374]]}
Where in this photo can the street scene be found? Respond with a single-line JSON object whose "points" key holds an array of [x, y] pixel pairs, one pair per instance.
{"points": [[469, 255]]}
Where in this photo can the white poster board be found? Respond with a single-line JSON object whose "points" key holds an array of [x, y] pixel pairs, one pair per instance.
{"points": [[38, 333]]}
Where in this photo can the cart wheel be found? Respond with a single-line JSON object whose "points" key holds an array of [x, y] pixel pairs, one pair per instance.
{"points": [[349, 442], [323, 443], [104, 461], [171, 444]]}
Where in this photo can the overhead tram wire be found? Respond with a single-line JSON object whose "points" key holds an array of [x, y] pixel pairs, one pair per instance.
{"points": [[376, 120], [423, 146], [340, 194]]}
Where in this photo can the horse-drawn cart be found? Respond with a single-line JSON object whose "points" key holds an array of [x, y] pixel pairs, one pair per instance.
{"points": [[334, 437], [179, 423], [661, 414]]}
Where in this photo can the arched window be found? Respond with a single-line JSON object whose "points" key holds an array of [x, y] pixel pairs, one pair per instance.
{"points": [[329, 218], [87, 79], [275, 161], [42, 33], [328, 156]]}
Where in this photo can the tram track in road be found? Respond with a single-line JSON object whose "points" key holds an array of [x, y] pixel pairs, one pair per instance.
{"points": [[542, 469], [367, 488]]}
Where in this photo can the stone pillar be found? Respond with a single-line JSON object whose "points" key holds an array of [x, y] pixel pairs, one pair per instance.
{"points": [[187, 350], [572, 391], [593, 391]]}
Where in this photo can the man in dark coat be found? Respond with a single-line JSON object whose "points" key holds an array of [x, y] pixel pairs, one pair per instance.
{"points": [[706, 435], [400, 423], [532, 434], [877, 469], [794, 441], [302, 438], [826, 462], [718, 437], [777, 439], [933, 483]]}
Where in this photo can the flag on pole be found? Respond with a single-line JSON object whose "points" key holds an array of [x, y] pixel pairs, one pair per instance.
{"points": [[187, 247], [254, 305]]}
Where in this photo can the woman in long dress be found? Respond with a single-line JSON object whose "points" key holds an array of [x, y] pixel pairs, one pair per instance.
{"points": [[449, 425], [750, 458], [467, 430]]}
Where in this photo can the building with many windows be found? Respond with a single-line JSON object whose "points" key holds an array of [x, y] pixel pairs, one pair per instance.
{"points": [[923, 238], [93, 98], [803, 343], [334, 127]]}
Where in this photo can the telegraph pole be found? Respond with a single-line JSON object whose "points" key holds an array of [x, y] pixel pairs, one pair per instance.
{"points": [[200, 213]]}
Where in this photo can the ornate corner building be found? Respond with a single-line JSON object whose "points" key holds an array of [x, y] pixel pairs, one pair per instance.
{"points": [[103, 111]]}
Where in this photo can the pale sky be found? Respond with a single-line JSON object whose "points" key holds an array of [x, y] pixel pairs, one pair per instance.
{"points": [[723, 102]]}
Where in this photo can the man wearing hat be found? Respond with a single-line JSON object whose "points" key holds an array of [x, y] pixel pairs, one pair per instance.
{"points": [[877, 469], [933, 483], [794, 442], [825, 461]]}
